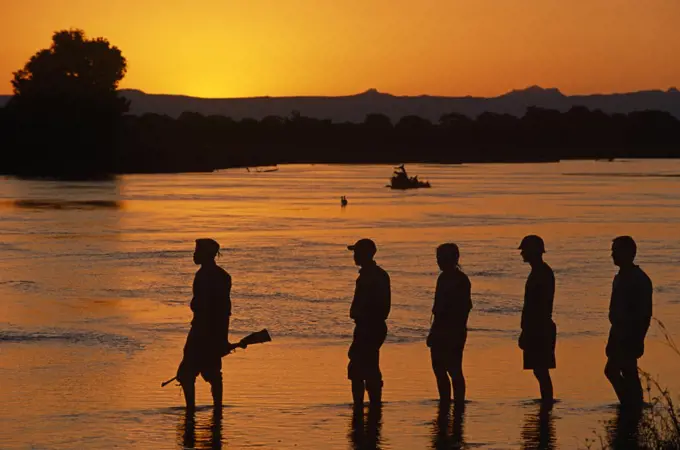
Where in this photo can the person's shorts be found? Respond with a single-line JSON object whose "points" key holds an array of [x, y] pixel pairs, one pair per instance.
{"points": [[364, 353], [447, 356], [209, 367]]}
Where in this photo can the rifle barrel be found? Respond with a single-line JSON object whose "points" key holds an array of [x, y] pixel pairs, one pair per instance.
{"points": [[165, 383]]}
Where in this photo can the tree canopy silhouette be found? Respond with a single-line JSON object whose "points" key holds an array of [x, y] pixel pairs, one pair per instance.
{"points": [[66, 108]]}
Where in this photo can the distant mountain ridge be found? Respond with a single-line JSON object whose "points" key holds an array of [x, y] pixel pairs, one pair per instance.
{"points": [[354, 108]]}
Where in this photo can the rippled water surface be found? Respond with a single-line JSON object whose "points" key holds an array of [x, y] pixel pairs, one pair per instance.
{"points": [[95, 283]]}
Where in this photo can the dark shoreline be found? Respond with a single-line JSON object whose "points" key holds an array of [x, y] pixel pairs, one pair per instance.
{"points": [[153, 143], [387, 164]]}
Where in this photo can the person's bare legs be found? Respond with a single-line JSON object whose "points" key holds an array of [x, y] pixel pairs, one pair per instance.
{"points": [[458, 380], [358, 388], [612, 370], [216, 389], [189, 390], [630, 375], [441, 375], [374, 389], [545, 384]]}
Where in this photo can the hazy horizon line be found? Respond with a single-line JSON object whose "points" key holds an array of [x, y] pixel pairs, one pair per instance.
{"points": [[365, 91]]}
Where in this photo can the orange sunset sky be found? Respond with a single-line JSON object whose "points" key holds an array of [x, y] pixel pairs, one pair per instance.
{"points": [[227, 48]]}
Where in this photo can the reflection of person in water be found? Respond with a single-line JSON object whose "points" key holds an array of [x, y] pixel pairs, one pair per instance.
{"points": [[538, 431], [209, 433], [365, 431], [447, 435], [622, 430]]}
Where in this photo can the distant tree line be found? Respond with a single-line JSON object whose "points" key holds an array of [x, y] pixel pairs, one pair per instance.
{"points": [[66, 119], [193, 142]]}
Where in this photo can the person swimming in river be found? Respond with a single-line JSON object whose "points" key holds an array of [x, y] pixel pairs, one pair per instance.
{"points": [[208, 338], [448, 333]]}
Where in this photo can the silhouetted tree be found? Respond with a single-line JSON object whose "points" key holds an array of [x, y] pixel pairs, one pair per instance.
{"points": [[414, 132], [377, 122], [454, 120], [413, 124], [67, 108]]}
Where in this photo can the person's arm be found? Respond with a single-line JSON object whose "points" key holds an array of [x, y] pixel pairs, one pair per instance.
{"points": [[201, 303], [522, 339], [526, 308], [462, 298], [354, 309], [548, 296], [378, 304], [439, 306], [643, 315], [647, 303], [195, 300], [226, 299], [386, 297]]}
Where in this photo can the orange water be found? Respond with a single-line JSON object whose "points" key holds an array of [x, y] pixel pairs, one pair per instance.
{"points": [[95, 282]]}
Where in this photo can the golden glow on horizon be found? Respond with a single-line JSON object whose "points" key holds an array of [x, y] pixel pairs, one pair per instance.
{"points": [[226, 48]]}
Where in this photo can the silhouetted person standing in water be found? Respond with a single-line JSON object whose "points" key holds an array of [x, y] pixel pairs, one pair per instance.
{"points": [[452, 305], [208, 339], [630, 313], [539, 333], [369, 310]]}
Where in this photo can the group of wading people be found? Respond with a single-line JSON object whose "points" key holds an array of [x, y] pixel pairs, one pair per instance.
{"points": [[630, 312]]}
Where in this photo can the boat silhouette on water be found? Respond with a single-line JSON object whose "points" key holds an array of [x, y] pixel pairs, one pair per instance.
{"points": [[401, 180]]}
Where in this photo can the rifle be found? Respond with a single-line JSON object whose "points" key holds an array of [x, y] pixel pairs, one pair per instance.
{"points": [[259, 337]]}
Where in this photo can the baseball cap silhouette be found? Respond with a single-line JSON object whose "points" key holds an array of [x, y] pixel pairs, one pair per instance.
{"points": [[532, 242], [364, 245]]}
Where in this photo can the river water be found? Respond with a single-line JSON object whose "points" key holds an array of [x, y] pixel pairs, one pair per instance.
{"points": [[95, 283]]}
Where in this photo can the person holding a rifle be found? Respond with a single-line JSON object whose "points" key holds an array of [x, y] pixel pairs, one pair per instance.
{"points": [[208, 339]]}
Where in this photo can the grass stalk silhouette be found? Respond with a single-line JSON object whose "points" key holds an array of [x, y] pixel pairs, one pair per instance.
{"points": [[658, 427]]}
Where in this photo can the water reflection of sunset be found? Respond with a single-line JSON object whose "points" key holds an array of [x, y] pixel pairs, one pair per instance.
{"points": [[95, 306]]}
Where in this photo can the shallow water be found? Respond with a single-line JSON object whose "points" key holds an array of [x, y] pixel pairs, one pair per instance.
{"points": [[95, 282]]}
